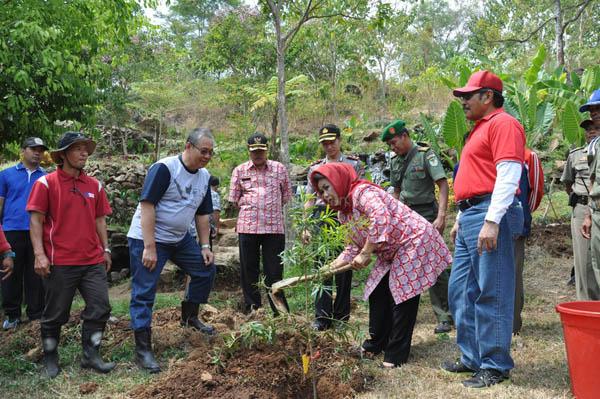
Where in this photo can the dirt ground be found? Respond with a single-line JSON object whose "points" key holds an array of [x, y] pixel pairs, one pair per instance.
{"points": [[228, 367], [264, 371]]}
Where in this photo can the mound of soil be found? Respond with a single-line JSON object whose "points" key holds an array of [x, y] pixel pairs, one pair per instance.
{"points": [[555, 238], [264, 371]]}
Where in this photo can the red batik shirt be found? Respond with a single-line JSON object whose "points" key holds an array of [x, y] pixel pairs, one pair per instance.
{"points": [[260, 195], [409, 248]]}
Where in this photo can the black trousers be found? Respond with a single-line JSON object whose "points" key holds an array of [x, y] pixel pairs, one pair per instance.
{"points": [[22, 280], [326, 309], [60, 288], [390, 326], [252, 246]]}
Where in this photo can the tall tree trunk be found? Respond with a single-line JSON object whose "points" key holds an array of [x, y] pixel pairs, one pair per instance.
{"points": [[281, 111], [334, 82], [383, 72], [124, 137], [560, 44], [274, 151], [157, 134]]}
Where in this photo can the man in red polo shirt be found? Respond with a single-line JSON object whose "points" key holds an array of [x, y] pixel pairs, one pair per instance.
{"points": [[70, 242], [482, 282]]}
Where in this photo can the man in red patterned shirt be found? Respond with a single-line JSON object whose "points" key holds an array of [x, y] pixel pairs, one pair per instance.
{"points": [[260, 188]]}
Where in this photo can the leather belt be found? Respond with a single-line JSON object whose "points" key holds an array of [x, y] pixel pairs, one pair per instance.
{"points": [[465, 204], [582, 199]]}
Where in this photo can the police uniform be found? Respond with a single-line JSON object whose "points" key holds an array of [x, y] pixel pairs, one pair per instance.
{"points": [[326, 309], [417, 190], [577, 174], [590, 276]]}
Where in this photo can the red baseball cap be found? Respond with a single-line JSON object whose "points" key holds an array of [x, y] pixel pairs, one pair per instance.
{"points": [[480, 80]]}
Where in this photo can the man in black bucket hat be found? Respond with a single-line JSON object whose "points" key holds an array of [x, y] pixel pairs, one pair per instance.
{"points": [[68, 232], [69, 139]]}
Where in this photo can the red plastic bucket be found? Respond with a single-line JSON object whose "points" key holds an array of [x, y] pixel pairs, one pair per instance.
{"points": [[581, 327]]}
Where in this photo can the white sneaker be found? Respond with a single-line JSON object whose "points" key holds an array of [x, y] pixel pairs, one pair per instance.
{"points": [[8, 324]]}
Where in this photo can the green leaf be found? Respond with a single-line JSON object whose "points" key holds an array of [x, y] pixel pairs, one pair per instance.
{"points": [[590, 79], [454, 126], [465, 73], [571, 119], [575, 81], [543, 121], [449, 83], [531, 75], [531, 109], [430, 132]]}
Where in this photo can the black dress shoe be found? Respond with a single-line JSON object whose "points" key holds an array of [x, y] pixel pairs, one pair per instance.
{"points": [[443, 327], [485, 378], [320, 326], [456, 366]]}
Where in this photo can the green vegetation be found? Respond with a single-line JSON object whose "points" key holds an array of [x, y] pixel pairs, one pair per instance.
{"points": [[357, 63], [286, 68]]}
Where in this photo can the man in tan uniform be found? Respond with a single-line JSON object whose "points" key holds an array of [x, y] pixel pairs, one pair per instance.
{"points": [[576, 177]]}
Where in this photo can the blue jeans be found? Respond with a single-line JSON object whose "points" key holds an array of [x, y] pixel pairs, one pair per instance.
{"points": [[481, 290], [187, 255]]}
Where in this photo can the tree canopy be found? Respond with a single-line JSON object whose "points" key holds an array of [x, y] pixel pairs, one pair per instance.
{"points": [[364, 60]]}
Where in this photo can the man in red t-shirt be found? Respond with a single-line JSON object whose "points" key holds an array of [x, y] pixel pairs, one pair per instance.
{"points": [[482, 282], [70, 242]]}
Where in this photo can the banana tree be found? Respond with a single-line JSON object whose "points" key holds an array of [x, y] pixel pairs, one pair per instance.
{"points": [[455, 127], [533, 111], [431, 133]]}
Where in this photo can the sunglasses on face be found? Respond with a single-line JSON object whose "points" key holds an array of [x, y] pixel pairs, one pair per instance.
{"points": [[468, 96]]}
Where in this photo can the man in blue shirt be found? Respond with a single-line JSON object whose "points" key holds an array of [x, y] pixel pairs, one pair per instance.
{"points": [[15, 186], [176, 191]]}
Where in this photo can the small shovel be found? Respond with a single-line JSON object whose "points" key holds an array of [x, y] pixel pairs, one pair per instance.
{"points": [[323, 273]]}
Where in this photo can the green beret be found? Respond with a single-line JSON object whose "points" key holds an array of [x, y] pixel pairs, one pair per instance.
{"points": [[394, 128]]}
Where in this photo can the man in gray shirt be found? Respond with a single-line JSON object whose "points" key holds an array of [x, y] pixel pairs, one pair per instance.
{"points": [[175, 192]]}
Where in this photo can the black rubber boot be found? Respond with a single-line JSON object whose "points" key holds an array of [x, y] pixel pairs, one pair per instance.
{"points": [[189, 318], [90, 343], [50, 346], [144, 357]]}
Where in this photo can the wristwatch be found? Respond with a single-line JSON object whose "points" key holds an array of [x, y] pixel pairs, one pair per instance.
{"points": [[9, 254], [107, 250], [205, 246]]}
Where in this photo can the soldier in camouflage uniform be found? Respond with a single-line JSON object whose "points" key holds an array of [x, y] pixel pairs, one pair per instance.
{"points": [[576, 177], [325, 310], [414, 172]]}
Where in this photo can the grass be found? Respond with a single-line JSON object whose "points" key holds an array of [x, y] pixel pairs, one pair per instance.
{"points": [[555, 207], [540, 370], [120, 307]]}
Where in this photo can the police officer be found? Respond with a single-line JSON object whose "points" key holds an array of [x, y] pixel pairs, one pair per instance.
{"points": [[329, 138], [591, 224], [576, 177], [414, 172]]}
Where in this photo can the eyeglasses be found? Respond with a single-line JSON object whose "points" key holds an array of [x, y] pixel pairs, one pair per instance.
{"points": [[203, 151], [468, 96]]}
